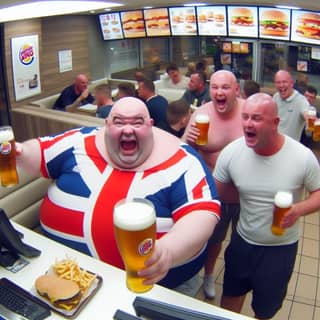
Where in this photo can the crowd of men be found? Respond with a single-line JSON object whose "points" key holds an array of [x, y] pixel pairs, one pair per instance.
{"points": [[148, 149]]}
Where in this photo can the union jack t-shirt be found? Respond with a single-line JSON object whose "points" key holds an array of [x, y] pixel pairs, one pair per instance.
{"points": [[78, 208]]}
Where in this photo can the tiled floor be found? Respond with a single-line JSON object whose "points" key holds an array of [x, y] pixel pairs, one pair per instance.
{"points": [[303, 297]]}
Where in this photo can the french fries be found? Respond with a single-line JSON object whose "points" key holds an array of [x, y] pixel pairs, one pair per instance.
{"points": [[69, 269]]}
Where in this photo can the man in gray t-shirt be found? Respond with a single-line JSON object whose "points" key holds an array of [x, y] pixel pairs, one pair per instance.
{"points": [[259, 164], [292, 105]]}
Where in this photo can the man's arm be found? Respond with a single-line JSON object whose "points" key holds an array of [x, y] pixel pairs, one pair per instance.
{"points": [[29, 156], [228, 193], [74, 106], [302, 208], [186, 238]]}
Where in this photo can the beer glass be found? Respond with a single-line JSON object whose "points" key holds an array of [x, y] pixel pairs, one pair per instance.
{"points": [[311, 118], [202, 123], [135, 231], [282, 203], [8, 171], [316, 131]]}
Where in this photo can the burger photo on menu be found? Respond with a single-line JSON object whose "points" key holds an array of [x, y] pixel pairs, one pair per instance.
{"points": [[133, 24], [242, 17], [274, 23], [243, 21], [211, 20], [157, 22], [183, 21], [309, 25]]}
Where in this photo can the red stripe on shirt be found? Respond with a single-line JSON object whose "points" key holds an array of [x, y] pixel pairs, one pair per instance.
{"points": [[94, 154], [166, 164], [197, 191], [211, 206], [60, 219], [115, 189]]}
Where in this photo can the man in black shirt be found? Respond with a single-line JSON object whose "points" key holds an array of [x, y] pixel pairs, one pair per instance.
{"points": [[75, 95]]}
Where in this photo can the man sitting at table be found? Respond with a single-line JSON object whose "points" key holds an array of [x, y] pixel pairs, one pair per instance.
{"points": [[102, 94], [75, 95], [94, 168]]}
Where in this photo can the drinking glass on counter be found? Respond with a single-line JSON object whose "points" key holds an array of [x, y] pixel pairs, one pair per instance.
{"points": [[8, 170], [202, 123], [135, 232]]}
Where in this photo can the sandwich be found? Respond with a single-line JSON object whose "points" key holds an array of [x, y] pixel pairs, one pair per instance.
{"points": [[190, 18], [133, 21], [274, 23], [242, 17], [61, 293], [309, 25], [157, 19], [202, 18]]}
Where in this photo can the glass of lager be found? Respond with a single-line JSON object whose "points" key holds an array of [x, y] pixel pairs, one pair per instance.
{"points": [[316, 131], [135, 232], [8, 170], [311, 118], [202, 123], [282, 203]]}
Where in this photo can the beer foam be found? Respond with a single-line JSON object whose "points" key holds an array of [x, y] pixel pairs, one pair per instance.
{"points": [[6, 135], [202, 118], [317, 122], [134, 216], [312, 113], [283, 199]]}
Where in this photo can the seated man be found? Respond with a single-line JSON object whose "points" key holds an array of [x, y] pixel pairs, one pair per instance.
{"points": [[102, 94], [178, 115], [156, 104], [176, 79], [75, 95], [198, 90], [94, 168]]}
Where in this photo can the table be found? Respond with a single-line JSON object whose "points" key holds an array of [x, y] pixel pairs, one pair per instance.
{"points": [[112, 295], [87, 109]]}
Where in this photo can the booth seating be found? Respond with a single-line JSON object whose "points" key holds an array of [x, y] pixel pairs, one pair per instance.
{"points": [[168, 93], [22, 202]]}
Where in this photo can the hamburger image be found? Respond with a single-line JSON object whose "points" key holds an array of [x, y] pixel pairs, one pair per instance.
{"points": [[202, 18], [242, 17], [309, 25], [133, 21], [274, 23], [157, 19], [61, 293]]}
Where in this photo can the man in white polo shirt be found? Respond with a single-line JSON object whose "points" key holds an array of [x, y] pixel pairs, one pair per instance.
{"points": [[259, 165], [292, 105]]}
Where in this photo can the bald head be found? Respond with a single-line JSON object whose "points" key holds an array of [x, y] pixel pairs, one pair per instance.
{"points": [[80, 83], [284, 83], [130, 107], [228, 76], [263, 103], [283, 74]]}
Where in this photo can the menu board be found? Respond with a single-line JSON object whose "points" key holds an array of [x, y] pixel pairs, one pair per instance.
{"points": [[274, 23], [133, 24], [305, 27], [157, 22], [212, 21], [111, 26], [183, 21], [243, 21]]}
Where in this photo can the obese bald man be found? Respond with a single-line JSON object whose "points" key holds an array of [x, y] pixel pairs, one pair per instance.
{"points": [[94, 168], [260, 164], [224, 112], [75, 95]]}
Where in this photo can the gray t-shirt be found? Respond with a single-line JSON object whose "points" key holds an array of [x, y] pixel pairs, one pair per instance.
{"points": [[258, 179], [291, 113]]}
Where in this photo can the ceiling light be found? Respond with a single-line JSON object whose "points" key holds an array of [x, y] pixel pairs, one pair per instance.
{"points": [[288, 7], [51, 8], [147, 7], [195, 4]]}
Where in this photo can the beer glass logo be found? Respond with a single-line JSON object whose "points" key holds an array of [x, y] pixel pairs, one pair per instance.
{"points": [[145, 247], [5, 148], [26, 54]]}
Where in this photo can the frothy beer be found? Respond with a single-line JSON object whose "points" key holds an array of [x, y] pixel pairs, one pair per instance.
{"points": [[8, 170], [202, 123], [311, 118], [316, 131], [135, 230], [282, 203]]}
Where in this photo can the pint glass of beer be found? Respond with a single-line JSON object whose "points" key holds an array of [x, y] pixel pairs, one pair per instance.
{"points": [[135, 231], [282, 203], [316, 131], [202, 123], [8, 171], [311, 118]]}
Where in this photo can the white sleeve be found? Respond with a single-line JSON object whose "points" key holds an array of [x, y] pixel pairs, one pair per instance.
{"points": [[304, 106], [312, 173], [221, 171]]}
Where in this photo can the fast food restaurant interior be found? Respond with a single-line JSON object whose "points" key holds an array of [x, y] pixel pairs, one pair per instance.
{"points": [[44, 48]]}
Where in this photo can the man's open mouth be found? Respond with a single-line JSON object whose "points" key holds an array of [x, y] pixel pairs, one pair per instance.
{"points": [[250, 134], [128, 145]]}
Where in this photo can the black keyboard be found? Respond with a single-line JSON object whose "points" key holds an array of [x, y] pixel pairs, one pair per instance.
{"points": [[21, 302]]}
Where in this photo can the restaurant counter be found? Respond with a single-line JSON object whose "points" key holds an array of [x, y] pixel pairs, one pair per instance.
{"points": [[112, 295]]}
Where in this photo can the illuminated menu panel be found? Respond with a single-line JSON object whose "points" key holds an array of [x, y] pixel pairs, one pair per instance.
{"points": [[133, 24], [111, 26], [157, 22], [243, 21], [212, 21], [183, 21], [274, 23], [305, 27]]}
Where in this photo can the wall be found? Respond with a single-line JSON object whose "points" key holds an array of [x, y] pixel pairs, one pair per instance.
{"points": [[55, 33]]}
